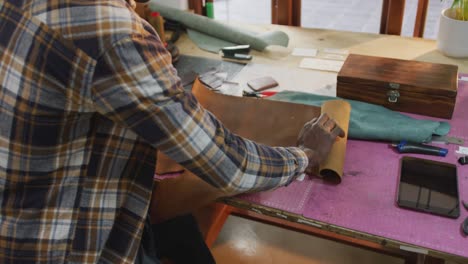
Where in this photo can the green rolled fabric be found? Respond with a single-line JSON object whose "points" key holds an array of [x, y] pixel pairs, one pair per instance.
{"points": [[212, 35], [374, 122]]}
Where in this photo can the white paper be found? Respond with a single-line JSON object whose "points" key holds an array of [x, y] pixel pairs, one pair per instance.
{"points": [[321, 64], [336, 51], [222, 75], [230, 89], [462, 150], [464, 78], [300, 52]]}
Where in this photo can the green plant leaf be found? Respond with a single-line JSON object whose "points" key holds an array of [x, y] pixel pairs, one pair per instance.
{"points": [[464, 9], [455, 3], [461, 9]]}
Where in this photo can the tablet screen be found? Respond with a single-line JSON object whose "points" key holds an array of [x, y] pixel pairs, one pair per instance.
{"points": [[429, 186]]}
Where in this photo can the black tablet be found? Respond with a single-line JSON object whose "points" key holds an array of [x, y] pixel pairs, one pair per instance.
{"points": [[429, 186]]}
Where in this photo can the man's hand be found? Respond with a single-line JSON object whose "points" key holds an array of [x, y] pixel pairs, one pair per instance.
{"points": [[317, 137]]}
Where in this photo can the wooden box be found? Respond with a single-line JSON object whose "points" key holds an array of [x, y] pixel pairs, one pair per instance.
{"points": [[408, 86]]}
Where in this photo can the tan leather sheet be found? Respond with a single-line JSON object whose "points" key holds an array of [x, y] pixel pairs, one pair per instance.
{"points": [[268, 122]]}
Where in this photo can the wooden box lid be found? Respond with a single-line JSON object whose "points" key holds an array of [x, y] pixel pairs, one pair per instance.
{"points": [[415, 76]]}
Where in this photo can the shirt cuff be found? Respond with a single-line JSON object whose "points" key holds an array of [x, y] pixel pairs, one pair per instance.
{"points": [[300, 160]]}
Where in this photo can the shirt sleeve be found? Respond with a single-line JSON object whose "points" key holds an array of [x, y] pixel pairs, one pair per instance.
{"points": [[136, 85]]}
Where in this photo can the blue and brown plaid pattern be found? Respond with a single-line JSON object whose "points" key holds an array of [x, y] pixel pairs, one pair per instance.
{"points": [[87, 95]]}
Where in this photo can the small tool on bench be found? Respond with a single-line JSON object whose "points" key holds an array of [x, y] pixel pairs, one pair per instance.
{"points": [[463, 161], [259, 85], [236, 53], [406, 147], [447, 140], [259, 94]]}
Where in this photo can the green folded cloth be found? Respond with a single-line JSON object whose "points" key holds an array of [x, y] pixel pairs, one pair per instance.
{"points": [[211, 35], [374, 122]]}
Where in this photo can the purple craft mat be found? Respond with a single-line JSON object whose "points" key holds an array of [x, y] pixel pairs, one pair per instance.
{"points": [[366, 199], [291, 199]]}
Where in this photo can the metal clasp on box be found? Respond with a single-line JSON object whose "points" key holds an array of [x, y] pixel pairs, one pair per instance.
{"points": [[393, 94]]}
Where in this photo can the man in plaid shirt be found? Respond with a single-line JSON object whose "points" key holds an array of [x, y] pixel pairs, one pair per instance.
{"points": [[87, 95]]}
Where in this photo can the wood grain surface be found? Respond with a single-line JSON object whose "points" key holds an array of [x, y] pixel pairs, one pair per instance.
{"points": [[424, 88]]}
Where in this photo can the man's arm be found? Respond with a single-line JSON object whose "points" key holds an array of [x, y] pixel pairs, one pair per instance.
{"points": [[135, 85]]}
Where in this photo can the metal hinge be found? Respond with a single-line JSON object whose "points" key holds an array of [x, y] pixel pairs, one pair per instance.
{"points": [[394, 85], [393, 96]]}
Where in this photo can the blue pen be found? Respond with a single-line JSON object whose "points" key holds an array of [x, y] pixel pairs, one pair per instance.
{"points": [[406, 147]]}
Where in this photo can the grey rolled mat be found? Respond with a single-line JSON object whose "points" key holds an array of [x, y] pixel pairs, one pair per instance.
{"points": [[212, 35]]}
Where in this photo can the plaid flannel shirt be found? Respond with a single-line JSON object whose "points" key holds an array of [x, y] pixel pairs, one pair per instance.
{"points": [[87, 95]]}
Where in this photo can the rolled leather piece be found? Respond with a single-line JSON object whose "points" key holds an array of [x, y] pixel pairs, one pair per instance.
{"points": [[332, 168]]}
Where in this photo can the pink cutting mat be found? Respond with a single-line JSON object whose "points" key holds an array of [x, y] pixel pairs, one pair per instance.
{"points": [[366, 199]]}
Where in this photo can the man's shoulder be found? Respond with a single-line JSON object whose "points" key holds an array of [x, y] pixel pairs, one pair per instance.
{"points": [[92, 25]]}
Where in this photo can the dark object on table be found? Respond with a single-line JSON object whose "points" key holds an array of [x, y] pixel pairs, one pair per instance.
{"points": [[465, 226], [237, 58], [429, 186], [173, 30], [175, 53], [241, 49], [236, 53], [465, 223], [463, 160], [262, 83], [408, 86], [258, 94], [406, 147]]}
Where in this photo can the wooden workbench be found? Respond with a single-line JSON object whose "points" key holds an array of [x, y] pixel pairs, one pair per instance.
{"points": [[359, 43]]}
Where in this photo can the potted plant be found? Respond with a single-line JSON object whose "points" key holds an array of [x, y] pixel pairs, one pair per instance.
{"points": [[452, 39]]}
